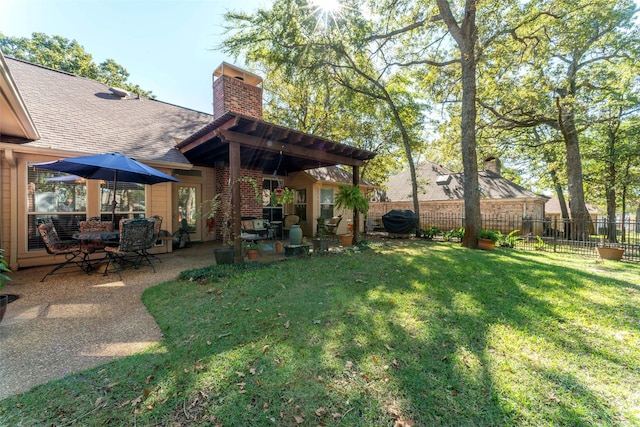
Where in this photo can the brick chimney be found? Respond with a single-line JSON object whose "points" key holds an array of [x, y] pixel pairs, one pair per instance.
{"points": [[492, 164], [236, 90]]}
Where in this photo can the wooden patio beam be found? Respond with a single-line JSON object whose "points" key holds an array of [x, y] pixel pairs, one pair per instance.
{"points": [[287, 149]]}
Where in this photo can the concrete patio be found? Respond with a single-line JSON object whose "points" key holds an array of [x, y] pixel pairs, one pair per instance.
{"points": [[74, 321]]}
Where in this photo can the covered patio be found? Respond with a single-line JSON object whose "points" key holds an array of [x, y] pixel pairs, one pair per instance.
{"points": [[241, 142]]}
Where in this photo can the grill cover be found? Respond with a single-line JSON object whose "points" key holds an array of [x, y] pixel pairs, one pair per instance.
{"points": [[400, 222]]}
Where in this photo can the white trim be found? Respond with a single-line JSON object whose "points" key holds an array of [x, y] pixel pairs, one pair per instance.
{"points": [[17, 108]]}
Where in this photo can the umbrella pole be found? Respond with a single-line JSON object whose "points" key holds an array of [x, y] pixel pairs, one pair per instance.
{"points": [[114, 203]]}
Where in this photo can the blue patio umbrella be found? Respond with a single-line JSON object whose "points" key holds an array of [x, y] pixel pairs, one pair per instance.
{"points": [[109, 167]]}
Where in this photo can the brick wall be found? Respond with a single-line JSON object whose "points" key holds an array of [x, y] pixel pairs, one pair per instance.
{"points": [[232, 94], [249, 206]]}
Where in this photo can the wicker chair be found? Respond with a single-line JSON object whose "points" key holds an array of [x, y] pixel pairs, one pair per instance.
{"points": [[56, 246], [289, 220], [332, 226], [136, 236]]}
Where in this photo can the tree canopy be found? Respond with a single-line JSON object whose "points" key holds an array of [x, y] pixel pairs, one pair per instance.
{"points": [[67, 55]]}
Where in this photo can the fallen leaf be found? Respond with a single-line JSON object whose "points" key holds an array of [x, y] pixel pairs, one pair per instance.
{"points": [[240, 374], [348, 364], [388, 347], [258, 310], [219, 292], [375, 359], [146, 392], [148, 379], [252, 371], [298, 419], [265, 348], [336, 415], [321, 411], [242, 391], [286, 325], [112, 385], [208, 342]]}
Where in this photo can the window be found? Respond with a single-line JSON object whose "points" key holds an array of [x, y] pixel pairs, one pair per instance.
{"points": [[326, 203], [270, 210], [300, 204], [57, 197], [129, 197]]}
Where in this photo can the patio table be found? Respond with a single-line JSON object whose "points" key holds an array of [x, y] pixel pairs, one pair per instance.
{"points": [[92, 236]]}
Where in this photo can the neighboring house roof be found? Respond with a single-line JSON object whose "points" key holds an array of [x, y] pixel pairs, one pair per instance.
{"points": [[15, 119], [334, 174], [437, 183], [553, 207], [78, 114]]}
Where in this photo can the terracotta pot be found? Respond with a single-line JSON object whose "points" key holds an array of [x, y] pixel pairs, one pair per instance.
{"points": [[486, 244], [279, 247], [346, 240], [614, 254], [252, 253]]}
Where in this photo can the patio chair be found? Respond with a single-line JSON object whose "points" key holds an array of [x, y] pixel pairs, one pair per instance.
{"points": [[56, 246], [332, 226], [289, 220], [156, 235], [136, 236], [91, 225]]}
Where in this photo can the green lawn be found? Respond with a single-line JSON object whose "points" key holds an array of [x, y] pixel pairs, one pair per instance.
{"points": [[407, 332]]}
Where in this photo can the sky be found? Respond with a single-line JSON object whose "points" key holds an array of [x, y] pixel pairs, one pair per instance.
{"points": [[167, 46]]}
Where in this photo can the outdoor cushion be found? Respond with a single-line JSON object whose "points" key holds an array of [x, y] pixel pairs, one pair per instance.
{"points": [[247, 224], [258, 224]]}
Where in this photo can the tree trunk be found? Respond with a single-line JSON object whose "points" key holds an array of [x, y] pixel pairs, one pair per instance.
{"points": [[579, 214], [472, 214], [465, 36], [610, 195]]}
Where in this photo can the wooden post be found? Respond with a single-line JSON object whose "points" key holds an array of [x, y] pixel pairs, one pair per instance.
{"points": [[356, 214], [234, 180]]}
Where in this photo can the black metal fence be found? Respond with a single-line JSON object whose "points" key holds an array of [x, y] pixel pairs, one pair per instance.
{"points": [[554, 235]]}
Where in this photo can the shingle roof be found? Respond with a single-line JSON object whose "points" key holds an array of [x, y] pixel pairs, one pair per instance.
{"points": [[437, 183], [553, 206], [334, 174], [79, 114]]}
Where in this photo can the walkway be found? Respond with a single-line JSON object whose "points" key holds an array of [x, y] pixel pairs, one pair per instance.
{"points": [[75, 321]]}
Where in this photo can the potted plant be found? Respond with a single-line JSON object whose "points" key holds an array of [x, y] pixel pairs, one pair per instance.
{"points": [[610, 251], [252, 249], [350, 197], [487, 239], [4, 269], [321, 243]]}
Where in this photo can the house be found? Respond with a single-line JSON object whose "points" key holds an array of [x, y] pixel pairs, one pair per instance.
{"points": [[441, 198], [47, 114], [552, 211]]}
